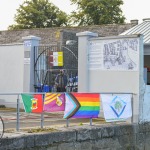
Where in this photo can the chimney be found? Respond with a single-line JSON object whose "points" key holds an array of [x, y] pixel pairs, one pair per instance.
{"points": [[134, 22]]}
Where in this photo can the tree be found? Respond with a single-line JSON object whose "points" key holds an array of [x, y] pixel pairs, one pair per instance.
{"points": [[96, 12], [38, 14]]}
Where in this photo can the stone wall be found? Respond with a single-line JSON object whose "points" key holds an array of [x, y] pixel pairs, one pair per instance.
{"points": [[104, 137], [54, 35]]}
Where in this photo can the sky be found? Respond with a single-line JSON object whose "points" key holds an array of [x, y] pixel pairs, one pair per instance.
{"points": [[132, 9]]}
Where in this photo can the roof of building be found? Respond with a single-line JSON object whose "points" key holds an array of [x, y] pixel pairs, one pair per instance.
{"points": [[143, 28], [55, 35]]}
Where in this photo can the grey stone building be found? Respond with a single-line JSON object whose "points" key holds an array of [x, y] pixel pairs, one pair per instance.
{"points": [[61, 34]]}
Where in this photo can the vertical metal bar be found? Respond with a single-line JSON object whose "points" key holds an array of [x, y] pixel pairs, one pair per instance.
{"points": [[18, 108], [67, 122], [35, 83], [132, 118], [90, 121], [42, 120], [42, 114], [36, 74]]}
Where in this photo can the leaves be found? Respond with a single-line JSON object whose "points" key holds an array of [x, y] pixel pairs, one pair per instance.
{"points": [[96, 12], [43, 14], [38, 14]]}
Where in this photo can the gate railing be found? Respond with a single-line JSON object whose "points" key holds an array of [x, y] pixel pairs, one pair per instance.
{"points": [[44, 73], [42, 114]]}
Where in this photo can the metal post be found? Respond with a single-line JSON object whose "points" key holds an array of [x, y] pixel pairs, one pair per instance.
{"points": [[90, 121], [42, 120], [42, 114], [67, 122], [132, 109], [18, 110]]}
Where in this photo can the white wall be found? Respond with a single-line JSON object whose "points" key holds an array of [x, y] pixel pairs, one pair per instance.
{"points": [[11, 71], [146, 104], [11, 67], [17, 70]]}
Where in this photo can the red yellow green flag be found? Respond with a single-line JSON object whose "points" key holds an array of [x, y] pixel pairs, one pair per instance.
{"points": [[32, 103]]}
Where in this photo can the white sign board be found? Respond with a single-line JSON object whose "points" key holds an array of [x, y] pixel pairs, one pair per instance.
{"points": [[114, 54], [27, 43], [26, 61]]}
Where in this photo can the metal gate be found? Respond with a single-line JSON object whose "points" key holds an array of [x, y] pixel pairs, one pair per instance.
{"points": [[45, 73]]}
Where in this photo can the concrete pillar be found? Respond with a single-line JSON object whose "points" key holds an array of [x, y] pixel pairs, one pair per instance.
{"points": [[83, 50], [29, 43]]}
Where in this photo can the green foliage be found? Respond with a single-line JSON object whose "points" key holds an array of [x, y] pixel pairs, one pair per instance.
{"points": [[96, 12], [38, 14]]}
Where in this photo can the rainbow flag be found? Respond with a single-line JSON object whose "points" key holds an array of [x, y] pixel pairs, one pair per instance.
{"points": [[88, 107], [54, 102]]}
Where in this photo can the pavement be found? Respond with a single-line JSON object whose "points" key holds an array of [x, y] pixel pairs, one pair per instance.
{"points": [[32, 120], [29, 121]]}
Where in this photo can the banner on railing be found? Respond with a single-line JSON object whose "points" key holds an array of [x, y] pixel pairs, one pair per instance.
{"points": [[82, 105], [54, 102], [116, 107], [32, 103]]}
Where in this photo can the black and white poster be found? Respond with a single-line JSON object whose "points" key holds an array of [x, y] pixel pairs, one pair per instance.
{"points": [[114, 54]]}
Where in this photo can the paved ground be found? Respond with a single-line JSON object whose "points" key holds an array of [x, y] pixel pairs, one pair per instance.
{"points": [[30, 120], [51, 120]]}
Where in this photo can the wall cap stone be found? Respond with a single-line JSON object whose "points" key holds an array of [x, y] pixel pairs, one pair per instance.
{"points": [[31, 37], [87, 33]]}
